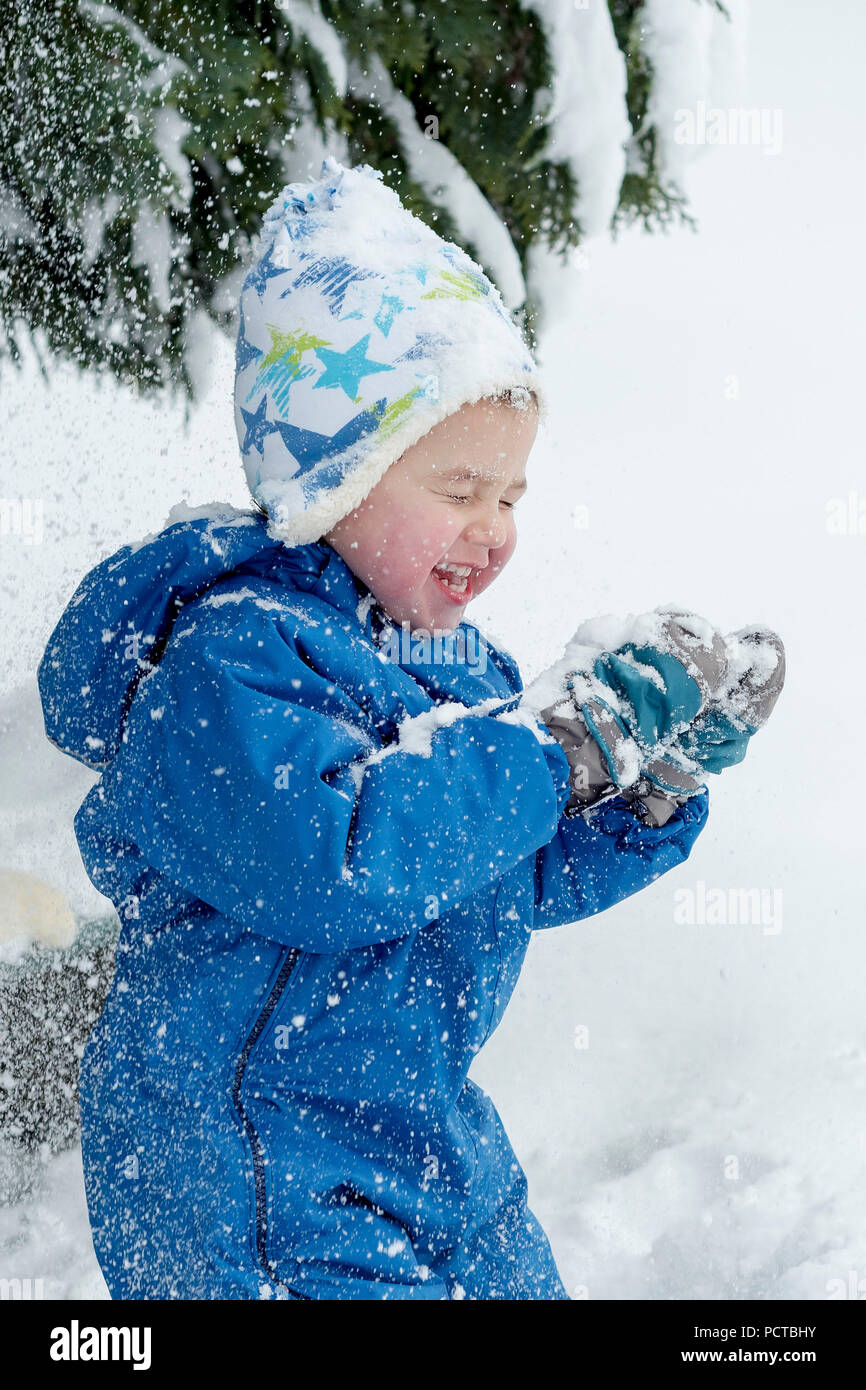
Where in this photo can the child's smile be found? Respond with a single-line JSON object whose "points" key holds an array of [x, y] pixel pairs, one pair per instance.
{"points": [[455, 580]]}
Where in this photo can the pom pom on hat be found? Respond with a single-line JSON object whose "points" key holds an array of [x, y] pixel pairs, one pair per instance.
{"points": [[360, 329]]}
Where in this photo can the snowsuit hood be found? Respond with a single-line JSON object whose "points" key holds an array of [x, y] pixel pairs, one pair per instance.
{"points": [[115, 627]]}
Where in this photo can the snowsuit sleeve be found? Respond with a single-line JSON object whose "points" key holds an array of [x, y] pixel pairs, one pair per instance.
{"points": [[264, 789], [590, 864]]}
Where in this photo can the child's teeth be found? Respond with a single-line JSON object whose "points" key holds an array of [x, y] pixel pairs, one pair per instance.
{"points": [[455, 577]]}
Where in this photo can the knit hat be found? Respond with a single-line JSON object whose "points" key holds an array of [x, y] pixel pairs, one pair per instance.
{"points": [[360, 329]]}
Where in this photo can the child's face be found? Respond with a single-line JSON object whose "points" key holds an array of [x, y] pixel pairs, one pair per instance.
{"points": [[423, 513]]}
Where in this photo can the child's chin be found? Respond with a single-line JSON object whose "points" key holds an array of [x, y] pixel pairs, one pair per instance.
{"points": [[430, 612], [441, 623], [445, 617]]}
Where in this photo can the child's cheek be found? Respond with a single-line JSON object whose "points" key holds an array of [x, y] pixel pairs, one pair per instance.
{"points": [[430, 533]]}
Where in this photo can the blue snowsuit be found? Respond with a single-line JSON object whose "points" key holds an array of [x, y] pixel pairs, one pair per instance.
{"points": [[323, 916]]}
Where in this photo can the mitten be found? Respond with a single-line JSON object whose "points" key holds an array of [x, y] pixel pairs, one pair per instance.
{"points": [[618, 720], [719, 736], [742, 702]]}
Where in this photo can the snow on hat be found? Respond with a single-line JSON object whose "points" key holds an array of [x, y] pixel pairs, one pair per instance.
{"points": [[360, 329]]}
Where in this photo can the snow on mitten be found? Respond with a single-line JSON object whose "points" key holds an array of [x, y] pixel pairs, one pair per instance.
{"points": [[719, 736], [742, 702], [618, 719]]}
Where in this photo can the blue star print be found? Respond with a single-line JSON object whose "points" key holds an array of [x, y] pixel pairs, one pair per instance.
{"points": [[390, 307], [258, 426], [262, 272], [245, 353], [332, 276], [425, 345], [346, 368], [308, 448]]}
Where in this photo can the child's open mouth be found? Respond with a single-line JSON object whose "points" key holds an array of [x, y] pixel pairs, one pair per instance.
{"points": [[455, 581]]}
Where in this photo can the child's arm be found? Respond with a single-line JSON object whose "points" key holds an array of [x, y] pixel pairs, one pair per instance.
{"points": [[261, 787], [593, 862], [607, 853], [607, 845]]}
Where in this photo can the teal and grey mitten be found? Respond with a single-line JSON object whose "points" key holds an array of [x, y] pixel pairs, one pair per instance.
{"points": [[651, 718], [741, 703], [719, 736], [618, 721]]}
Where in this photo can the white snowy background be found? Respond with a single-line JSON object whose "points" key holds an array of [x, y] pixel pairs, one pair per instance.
{"points": [[706, 399]]}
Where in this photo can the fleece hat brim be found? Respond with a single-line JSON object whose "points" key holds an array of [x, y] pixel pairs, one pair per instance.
{"points": [[360, 330]]}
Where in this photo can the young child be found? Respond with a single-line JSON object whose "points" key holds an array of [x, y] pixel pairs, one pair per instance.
{"points": [[329, 815]]}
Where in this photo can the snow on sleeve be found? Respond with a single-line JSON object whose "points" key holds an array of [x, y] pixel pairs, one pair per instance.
{"points": [[222, 514], [415, 733]]}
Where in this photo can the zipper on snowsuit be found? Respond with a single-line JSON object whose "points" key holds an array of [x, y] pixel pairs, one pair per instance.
{"points": [[287, 969]]}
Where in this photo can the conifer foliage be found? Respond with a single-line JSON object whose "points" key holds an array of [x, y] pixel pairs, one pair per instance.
{"points": [[140, 143]]}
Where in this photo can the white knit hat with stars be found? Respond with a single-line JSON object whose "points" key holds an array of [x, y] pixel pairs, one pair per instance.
{"points": [[360, 329]]}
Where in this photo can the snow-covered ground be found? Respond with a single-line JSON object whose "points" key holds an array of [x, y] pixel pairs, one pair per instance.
{"points": [[687, 1098]]}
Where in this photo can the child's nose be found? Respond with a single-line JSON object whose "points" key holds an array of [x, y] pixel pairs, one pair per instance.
{"points": [[488, 528]]}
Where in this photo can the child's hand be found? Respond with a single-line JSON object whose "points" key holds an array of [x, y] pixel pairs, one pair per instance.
{"points": [[741, 703], [619, 719], [651, 717], [719, 736]]}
